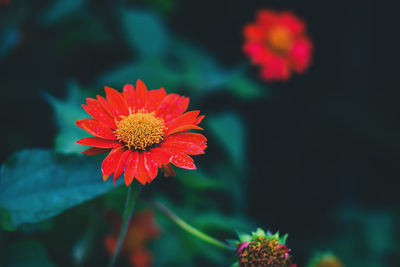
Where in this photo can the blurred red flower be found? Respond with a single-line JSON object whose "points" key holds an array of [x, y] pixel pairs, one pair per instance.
{"points": [[4, 2], [143, 131], [278, 43], [141, 230]]}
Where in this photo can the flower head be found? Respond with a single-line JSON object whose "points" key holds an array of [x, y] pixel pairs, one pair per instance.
{"points": [[278, 43], [326, 259], [142, 131], [262, 249], [141, 230]]}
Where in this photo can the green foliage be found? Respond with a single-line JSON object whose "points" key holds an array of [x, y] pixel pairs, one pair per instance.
{"points": [[25, 253], [244, 237], [228, 128], [165, 60], [66, 112], [144, 32], [38, 184], [246, 88], [198, 180], [183, 248], [9, 38], [60, 9]]}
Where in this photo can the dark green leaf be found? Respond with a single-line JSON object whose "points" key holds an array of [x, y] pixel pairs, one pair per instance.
{"points": [[144, 31], [38, 184], [66, 112], [246, 88], [228, 128], [25, 253], [198, 180]]}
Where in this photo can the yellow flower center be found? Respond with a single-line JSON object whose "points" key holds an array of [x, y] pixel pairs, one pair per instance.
{"points": [[140, 130], [279, 39]]}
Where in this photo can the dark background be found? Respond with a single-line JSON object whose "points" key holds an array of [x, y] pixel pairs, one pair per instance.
{"points": [[322, 148]]}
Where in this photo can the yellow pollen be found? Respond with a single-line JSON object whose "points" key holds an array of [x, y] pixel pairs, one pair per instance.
{"points": [[279, 39], [140, 130]]}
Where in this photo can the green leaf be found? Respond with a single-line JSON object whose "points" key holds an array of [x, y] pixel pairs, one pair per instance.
{"points": [[243, 237], [228, 128], [38, 184], [198, 180], [259, 232], [60, 9], [177, 65], [199, 70], [246, 88], [66, 112], [155, 72], [25, 253], [144, 31], [9, 38]]}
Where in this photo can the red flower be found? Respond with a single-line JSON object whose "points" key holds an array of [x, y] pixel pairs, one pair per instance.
{"points": [[4, 2], [141, 230], [143, 131], [278, 43]]}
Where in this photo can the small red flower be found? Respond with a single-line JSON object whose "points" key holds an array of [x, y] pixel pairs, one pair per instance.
{"points": [[143, 131], [278, 43], [141, 230]]}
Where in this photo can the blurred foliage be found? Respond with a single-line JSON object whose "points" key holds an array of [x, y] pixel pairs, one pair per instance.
{"points": [[34, 254], [66, 112], [164, 60], [229, 132], [44, 196]]}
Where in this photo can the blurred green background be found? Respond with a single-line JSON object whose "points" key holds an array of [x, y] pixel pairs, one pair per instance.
{"points": [[316, 157]]}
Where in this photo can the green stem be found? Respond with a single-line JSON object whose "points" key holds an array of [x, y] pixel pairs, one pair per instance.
{"points": [[190, 229], [128, 211]]}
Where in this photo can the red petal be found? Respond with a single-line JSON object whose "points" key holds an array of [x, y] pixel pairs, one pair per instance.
{"points": [[257, 52], [141, 94], [199, 119], [301, 55], [96, 128], [187, 118], [266, 18], [154, 99], [110, 243], [117, 101], [184, 128], [121, 165], [161, 156], [98, 142], [141, 176], [96, 110], [95, 150], [130, 96], [277, 68], [141, 257], [194, 138], [150, 165], [183, 161], [183, 147], [131, 167], [293, 23], [172, 106], [108, 107], [111, 161], [253, 33]]}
